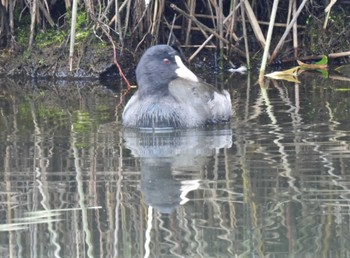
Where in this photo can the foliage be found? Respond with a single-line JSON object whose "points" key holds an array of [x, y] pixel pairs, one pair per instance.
{"points": [[83, 27], [51, 37], [292, 73]]}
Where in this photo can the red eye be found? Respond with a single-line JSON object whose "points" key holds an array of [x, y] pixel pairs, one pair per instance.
{"points": [[166, 61]]}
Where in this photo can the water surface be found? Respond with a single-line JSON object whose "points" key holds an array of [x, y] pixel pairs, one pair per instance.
{"points": [[274, 182]]}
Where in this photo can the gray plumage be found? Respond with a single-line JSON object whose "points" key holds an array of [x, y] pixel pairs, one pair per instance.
{"points": [[164, 100]]}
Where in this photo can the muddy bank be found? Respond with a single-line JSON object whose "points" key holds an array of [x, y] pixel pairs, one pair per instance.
{"points": [[90, 62]]}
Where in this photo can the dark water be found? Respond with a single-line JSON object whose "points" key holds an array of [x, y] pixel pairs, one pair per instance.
{"points": [[276, 183]]}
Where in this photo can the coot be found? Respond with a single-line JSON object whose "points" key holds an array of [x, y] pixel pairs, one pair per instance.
{"points": [[170, 96]]}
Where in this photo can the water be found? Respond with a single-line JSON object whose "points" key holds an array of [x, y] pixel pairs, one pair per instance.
{"points": [[275, 183]]}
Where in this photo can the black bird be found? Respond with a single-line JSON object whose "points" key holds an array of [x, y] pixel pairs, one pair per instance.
{"points": [[170, 96]]}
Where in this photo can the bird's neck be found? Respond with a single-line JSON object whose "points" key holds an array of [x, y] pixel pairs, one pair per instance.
{"points": [[154, 88]]}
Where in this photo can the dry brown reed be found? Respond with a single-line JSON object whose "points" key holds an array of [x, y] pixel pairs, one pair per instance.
{"points": [[139, 24]]}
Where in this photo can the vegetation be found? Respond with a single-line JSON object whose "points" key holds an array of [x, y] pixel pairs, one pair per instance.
{"points": [[237, 29]]}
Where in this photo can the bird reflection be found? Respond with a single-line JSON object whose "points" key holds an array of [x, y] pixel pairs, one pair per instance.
{"points": [[163, 155]]}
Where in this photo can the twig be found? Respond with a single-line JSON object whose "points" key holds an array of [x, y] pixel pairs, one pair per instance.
{"points": [[171, 29], [115, 60]]}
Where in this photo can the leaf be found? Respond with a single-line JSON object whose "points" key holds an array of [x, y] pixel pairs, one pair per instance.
{"points": [[323, 61], [288, 75]]}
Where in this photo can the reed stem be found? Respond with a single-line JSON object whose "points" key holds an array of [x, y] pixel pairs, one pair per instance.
{"points": [[210, 37], [206, 28], [33, 11], [246, 46], [192, 6], [72, 33], [254, 23], [295, 30], [289, 27], [12, 26], [118, 26], [268, 40], [220, 24]]}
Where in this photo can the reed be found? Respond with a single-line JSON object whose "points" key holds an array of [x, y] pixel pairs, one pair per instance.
{"points": [[33, 12], [289, 27], [198, 25], [268, 40], [245, 35], [295, 29], [72, 34]]}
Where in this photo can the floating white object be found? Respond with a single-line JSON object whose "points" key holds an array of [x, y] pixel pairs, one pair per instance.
{"points": [[242, 69]]}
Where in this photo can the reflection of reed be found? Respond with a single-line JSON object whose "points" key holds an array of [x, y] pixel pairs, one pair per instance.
{"points": [[118, 202], [41, 174], [281, 189], [171, 236], [81, 194]]}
